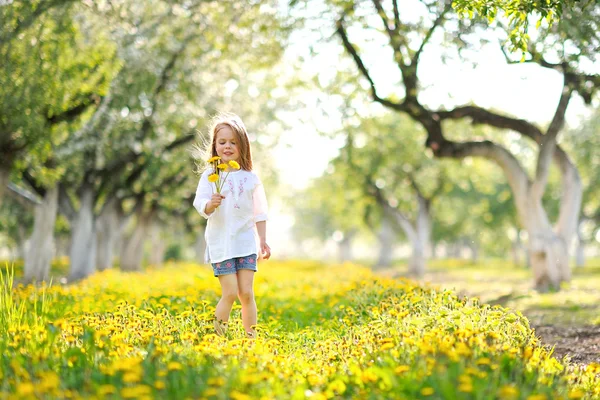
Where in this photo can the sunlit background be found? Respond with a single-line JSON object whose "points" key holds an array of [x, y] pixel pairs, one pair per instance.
{"points": [[105, 99]]}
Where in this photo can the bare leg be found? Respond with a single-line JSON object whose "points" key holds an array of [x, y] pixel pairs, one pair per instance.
{"points": [[229, 289], [245, 283]]}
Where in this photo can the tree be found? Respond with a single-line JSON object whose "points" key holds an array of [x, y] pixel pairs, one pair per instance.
{"points": [[168, 81], [548, 248]]}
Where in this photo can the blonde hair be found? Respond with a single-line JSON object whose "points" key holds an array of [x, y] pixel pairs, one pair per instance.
{"points": [[207, 149]]}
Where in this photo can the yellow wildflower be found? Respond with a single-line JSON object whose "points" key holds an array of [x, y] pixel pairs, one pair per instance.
{"points": [[402, 369], [537, 397], [235, 395], [466, 387], [174, 366], [233, 164], [222, 166], [387, 346], [213, 177], [508, 392], [427, 391], [213, 159], [25, 389], [106, 390], [576, 394]]}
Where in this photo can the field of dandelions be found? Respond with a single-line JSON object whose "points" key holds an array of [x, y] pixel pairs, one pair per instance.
{"points": [[325, 331]]}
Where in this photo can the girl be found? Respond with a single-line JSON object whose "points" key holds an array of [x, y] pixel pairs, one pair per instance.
{"points": [[235, 217]]}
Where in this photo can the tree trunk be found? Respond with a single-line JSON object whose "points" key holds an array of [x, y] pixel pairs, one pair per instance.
{"points": [[132, 252], [41, 248], [547, 248], [22, 242], [109, 227], [580, 254], [200, 245], [157, 250], [386, 236], [420, 238], [580, 249], [83, 238], [434, 250], [518, 251], [345, 246], [4, 179]]}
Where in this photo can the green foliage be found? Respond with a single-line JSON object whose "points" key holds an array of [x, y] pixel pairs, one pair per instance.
{"points": [[517, 12], [51, 75], [173, 252]]}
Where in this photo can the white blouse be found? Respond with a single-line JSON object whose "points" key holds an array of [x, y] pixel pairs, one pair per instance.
{"points": [[231, 229]]}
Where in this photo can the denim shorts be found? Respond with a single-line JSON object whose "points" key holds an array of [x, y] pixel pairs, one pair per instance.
{"points": [[233, 265]]}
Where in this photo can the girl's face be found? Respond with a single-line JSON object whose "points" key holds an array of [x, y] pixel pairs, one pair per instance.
{"points": [[227, 144]]}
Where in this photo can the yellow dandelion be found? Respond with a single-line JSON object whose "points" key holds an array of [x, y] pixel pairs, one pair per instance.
{"points": [[235, 395], [25, 389], [576, 394], [402, 369], [104, 390], [537, 397], [222, 166], [387, 346], [427, 391], [213, 159], [233, 164], [466, 387], [174, 366], [213, 177], [507, 392], [593, 368]]}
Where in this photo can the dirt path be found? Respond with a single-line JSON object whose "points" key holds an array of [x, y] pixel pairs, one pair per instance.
{"points": [[580, 344]]}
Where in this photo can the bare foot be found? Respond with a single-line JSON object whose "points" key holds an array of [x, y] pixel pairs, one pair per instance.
{"points": [[220, 327]]}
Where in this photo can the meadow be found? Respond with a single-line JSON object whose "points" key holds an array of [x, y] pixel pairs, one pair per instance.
{"points": [[325, 331]]}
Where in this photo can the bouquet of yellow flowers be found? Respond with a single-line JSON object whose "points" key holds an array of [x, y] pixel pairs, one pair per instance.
{"points": [[219, 170]]}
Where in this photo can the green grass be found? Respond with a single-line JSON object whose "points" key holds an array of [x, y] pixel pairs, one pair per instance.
{"points": [[500, 282]]}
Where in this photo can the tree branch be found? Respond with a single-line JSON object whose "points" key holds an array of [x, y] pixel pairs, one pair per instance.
{"points": [[399, 218], [39, 190], [396, 15], [22, 195], [74, 112], [361, 66], [436, 23], [482, 116], [515, 173], [548, 145]]}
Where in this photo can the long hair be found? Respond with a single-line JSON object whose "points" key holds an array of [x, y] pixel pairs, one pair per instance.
{"points": [[208, 148]]}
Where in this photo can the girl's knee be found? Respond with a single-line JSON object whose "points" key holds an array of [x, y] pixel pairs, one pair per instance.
{"points": [[246, 295], [229, 297]]}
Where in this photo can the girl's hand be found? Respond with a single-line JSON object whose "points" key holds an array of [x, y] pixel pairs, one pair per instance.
{"points": [[214, 202], [265, 250]]}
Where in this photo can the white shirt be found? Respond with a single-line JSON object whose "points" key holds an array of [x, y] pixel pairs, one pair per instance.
{"points": [[231, 230]]}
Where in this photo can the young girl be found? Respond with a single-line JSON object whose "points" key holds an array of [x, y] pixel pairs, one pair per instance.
{"points": [[235, 217]]}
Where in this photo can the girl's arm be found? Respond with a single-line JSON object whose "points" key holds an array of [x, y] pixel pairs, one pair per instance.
{"points": [[261, 227], [203, 195], [259, 199]]}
